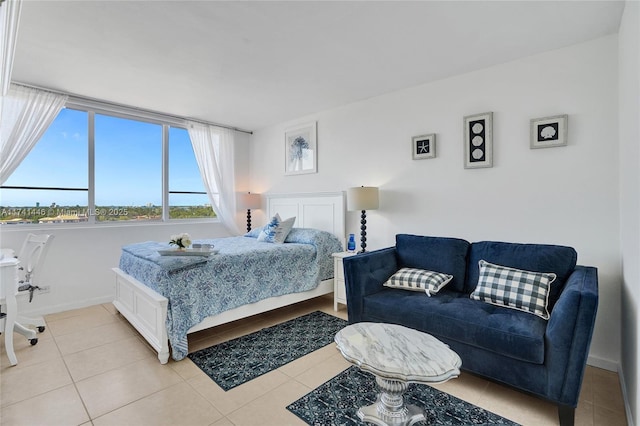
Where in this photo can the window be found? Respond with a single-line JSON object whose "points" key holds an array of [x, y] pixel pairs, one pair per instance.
{"points": [[187, 195], [128, 169], [51, 184], [94, 167]]}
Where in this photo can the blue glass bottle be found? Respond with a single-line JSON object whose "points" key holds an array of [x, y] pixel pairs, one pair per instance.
{"points": [[351, 245]]}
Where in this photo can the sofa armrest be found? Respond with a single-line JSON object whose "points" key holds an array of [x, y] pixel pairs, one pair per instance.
{"points": [[364, 274], [569, 334]]}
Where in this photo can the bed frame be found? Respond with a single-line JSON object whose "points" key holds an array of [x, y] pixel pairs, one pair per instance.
{"points": [[146, 310]]}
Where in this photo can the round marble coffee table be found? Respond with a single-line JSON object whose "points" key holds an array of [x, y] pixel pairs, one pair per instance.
{"points": [[397, 356]]}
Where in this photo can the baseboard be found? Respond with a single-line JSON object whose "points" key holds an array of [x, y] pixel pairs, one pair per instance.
{"points": [[605, 364], [53, 309], [625, 397]]}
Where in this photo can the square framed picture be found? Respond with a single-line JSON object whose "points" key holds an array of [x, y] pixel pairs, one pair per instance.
{"points": [[478, 140], [423, 146], [301, 151], [548, 132]]}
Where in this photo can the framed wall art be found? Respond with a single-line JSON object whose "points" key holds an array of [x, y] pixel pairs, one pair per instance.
{"points": [[478, 140], [548, 132], [301, 150], [423, 146]]}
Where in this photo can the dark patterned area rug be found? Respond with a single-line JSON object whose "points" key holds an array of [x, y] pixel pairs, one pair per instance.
{"points": [[237, 361], [336, 402]]}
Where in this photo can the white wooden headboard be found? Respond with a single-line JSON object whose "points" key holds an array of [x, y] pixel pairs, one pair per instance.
{"points": [[324, 211]]}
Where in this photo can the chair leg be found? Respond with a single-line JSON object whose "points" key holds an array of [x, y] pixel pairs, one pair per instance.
{"points": [[10, 320], [566, 415], [26, 332]]}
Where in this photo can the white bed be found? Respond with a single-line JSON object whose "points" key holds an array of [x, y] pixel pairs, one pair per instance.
{"points": [[146, 310]]}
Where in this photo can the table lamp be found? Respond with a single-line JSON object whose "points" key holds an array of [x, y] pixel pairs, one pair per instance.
{"points": [[250, 201], [362, 198]]}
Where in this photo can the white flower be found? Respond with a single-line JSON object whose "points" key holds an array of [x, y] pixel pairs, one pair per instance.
{"points": [[182, 240]]}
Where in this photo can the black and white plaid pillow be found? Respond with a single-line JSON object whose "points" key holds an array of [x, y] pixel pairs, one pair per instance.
{"points": [[514, 288], [418, 280]]}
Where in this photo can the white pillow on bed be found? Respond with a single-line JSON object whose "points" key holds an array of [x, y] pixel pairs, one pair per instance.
{"points": [[276, 230]]}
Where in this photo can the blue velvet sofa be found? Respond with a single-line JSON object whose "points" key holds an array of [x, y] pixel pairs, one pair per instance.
{"points": [[546, 358]]}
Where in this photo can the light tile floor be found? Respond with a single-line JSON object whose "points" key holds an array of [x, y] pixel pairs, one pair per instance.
{"points": [[91, 367]]}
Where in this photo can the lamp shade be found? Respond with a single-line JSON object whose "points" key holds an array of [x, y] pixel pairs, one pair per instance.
{"points": [[250, 201], [362, 198]]}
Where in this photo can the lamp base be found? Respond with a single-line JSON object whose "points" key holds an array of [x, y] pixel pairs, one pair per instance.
{"points": [[248, 220], [363, 232]]}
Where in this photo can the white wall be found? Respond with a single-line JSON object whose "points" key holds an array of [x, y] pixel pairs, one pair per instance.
{"points": [[78, 265], [629, 111], [566, 195]]}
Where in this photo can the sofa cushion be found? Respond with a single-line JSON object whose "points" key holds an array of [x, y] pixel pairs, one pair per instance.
{"points": [[560, 260], [420, 280], [514, 288], [455, 316], [446, 255]]}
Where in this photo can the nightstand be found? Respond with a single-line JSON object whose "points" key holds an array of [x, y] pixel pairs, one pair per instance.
{"points": [[339, 290]]}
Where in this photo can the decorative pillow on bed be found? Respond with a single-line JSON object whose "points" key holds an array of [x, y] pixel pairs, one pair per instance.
{"points": [[418, 280], [514, 288], [276, 230], [255, 232]]}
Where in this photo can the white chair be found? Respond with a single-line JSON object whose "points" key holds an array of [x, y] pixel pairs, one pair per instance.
{"points": [[8, 288], [28, 266], [31, 257], [23, 273]]}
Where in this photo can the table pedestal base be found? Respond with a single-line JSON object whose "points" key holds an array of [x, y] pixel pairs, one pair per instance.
{"points": [[389, 409]]}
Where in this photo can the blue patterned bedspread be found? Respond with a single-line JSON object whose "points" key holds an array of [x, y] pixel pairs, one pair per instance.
{"points": [[244, 271], [149, 251]]}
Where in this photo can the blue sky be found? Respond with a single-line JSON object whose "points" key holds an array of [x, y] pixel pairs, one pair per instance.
{"points": [[128, 164]]}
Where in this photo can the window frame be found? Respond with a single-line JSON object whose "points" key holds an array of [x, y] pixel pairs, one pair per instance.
{"points": [[93, 107]]}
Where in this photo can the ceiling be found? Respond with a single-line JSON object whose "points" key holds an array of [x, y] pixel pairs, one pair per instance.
{"points": [[253, 64]]}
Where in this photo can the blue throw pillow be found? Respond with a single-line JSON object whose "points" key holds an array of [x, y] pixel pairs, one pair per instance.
{"points": [[276, 230], [255, 232]]}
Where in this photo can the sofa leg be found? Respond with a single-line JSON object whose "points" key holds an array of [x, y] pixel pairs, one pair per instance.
{"points": [[566, 414]]}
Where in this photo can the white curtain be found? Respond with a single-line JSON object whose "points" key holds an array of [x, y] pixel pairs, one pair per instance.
{"points": [[9, 18], [214, 150], [25, 115]]}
